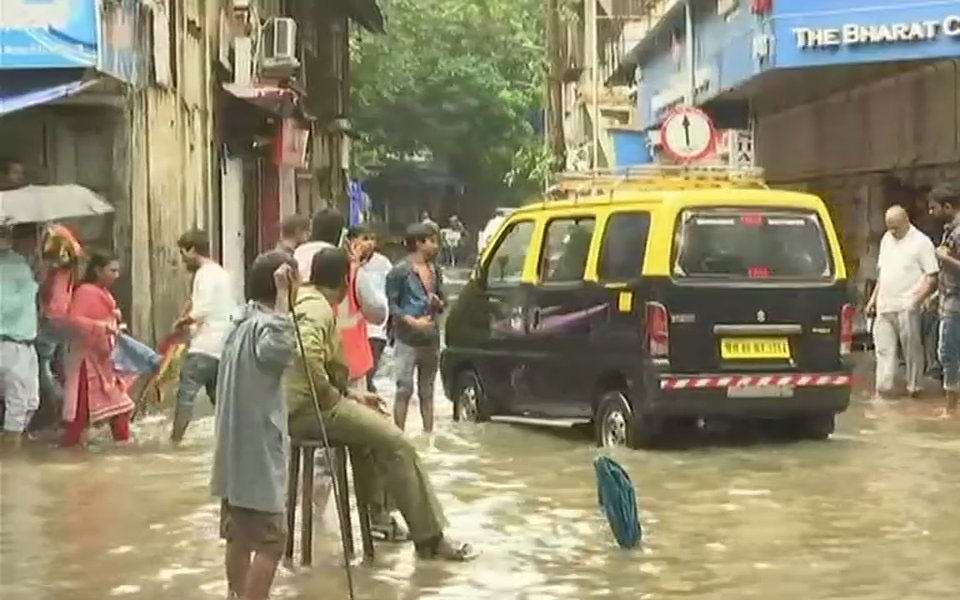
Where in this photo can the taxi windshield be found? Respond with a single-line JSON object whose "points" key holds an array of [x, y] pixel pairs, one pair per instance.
{"points": [[751, 244]]}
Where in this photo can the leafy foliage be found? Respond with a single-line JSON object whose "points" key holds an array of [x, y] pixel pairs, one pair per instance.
{"points": [[457, 81]]}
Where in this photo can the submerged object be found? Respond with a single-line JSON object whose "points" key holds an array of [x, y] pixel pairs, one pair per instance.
{"points": [[616, 494]]}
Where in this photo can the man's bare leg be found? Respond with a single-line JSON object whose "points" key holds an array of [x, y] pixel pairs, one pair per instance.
{"points": [[260, 577], [238, 568], [951, 408]]}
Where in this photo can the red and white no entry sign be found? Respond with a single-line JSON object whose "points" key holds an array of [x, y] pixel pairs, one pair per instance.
{"points": [[687, 134]]}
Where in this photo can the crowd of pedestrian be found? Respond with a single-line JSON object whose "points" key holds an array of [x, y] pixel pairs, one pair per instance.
{"points": [[318, 315], [916, 302], [332, 284], [58, 332]]}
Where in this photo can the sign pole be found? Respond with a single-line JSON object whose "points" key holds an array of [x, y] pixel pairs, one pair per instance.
{"points": [[692, 81], [595, 78]]}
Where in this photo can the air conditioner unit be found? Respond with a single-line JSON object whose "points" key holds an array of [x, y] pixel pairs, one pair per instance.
{"points": [[279, 45]]}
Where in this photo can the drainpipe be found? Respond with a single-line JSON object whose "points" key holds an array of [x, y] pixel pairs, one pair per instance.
{"points": [[594, 45], [692, 91]]}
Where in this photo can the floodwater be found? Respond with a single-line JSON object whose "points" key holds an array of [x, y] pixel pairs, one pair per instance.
{"points": [[869, 515]]}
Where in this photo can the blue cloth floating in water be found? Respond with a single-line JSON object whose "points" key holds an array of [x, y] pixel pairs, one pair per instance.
{"points": [[615, 493], [133, 357]]}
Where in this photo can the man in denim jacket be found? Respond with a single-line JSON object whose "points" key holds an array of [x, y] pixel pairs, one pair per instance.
{"points": [[415, 295]]}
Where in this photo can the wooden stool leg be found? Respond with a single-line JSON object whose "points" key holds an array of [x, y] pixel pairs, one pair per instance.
{"points": [[343, 493], [363, 512], [306, 508], [294, 475]]}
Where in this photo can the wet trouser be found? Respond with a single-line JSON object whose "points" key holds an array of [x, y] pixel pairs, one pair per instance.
{"points": [[377, 346], [198, 371], [950, 351], [903, 328], [119, 424], [424, 361], [930, 323], [385, 463], [19, 384], [49, 340]]}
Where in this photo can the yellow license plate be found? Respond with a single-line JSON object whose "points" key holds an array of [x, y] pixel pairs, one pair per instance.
{"points": [[754, 348]]}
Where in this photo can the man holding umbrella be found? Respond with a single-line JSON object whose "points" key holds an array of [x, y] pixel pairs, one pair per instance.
{"points": [[19, 368]]}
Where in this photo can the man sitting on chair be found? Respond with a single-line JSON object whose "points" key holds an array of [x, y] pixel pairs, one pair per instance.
{"points": [[385, 461]]}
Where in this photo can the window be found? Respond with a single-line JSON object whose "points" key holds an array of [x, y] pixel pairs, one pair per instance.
{"points": [[565, 249], [505, 266], [746, 244], [624, 246]]}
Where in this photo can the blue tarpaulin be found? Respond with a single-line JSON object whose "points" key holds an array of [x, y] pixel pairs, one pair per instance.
{"points": [[616, 495], [23, 88], [133, 357]]}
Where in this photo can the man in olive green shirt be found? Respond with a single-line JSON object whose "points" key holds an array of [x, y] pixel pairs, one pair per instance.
{"points": [[386, 462]]}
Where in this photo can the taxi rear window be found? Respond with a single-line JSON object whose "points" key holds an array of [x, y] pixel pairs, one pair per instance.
{"points": [[753, 245]]}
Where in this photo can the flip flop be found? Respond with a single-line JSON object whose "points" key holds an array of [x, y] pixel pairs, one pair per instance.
{"points": [[392, 532]]}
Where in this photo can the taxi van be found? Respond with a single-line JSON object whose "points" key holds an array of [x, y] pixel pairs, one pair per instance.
{"points": [[652, 298]]}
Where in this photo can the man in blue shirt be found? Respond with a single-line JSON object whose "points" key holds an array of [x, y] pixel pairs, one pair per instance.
{"points": [[944, 203], [19, 370], [415, 296]]}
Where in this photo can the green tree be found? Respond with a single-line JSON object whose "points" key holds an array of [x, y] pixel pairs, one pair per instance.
{"points": [[456, 80]]}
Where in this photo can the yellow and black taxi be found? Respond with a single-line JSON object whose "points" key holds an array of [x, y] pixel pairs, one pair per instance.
{"points": [[656, 297]]}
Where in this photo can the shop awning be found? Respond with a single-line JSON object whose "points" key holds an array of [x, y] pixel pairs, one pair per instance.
{"points": [[281, 101], [23, 88]]}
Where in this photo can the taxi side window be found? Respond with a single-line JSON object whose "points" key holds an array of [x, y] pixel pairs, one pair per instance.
{"points": [[505, 267], [624, 246], [565, 249]]}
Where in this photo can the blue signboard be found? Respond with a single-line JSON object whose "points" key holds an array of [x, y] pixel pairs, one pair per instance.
{"points": [[826, 32], [48, 33]]}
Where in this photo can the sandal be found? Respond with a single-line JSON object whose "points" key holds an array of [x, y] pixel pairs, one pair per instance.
{"points": [[448, 550], [392, 532]]}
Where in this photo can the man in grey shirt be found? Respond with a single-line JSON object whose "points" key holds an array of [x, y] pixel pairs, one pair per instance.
{"points": [[252, 445]]}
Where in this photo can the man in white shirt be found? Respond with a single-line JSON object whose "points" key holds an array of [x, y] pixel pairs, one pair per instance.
{"points": [[375, 270], [212, 306], [908, 269], [490, 230], [326, 231]]}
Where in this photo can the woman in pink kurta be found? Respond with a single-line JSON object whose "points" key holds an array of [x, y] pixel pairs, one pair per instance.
{"points": [[94, 391]]}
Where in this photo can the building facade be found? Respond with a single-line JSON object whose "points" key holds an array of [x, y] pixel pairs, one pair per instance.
{"points": [[591, 107], [223, 115]]}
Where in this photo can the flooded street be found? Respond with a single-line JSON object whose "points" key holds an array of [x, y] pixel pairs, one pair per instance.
{"points": [[869, 515]]}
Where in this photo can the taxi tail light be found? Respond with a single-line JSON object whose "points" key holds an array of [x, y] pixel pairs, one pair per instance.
{"points": [[658, 330], [847, 315]]}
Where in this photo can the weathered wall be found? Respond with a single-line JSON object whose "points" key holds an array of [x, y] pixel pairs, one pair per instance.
{"points": [[846, 146], [172, 161], [904, 121]]}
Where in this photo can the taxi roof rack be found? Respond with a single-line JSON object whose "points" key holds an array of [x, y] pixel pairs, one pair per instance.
{"points": [[583, 184]]}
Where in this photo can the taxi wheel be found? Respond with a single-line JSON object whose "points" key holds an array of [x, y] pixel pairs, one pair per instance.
{"points": [[815, 427], [616, 424], [469, 402]]}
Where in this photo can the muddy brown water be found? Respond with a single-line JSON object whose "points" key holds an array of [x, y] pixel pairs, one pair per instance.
{"points": [[869, 515]]}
